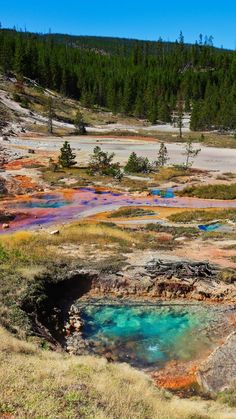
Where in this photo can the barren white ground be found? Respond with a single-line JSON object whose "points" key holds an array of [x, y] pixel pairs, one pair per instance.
{"points": [[210, 158]]}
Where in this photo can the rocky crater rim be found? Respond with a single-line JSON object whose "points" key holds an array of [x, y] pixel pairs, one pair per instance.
{"points": [[156, 281], [55, 317]]}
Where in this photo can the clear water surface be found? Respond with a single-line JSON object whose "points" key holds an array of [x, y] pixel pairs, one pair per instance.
{"points": [[147, 335]]}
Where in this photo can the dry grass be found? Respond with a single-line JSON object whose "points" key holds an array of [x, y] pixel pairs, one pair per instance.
{"points": [[204, 215], [9, 345], [24, 249], [35, 247], [130, 212], [83, 178], [169, 173], [26, 256], [218, 191], [42, 384], [100, 231]]}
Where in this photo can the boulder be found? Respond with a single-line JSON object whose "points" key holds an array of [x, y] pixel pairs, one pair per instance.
{"points": [[218, 372], [5, 226], [180, 239], [55, 232]]}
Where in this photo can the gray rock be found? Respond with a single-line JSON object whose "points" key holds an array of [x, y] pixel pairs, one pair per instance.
{"points": [[5, 226], [218, 372], [55, 232]]}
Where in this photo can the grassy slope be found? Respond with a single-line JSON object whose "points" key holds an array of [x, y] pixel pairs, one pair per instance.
{"points": [[42, 384], [35, 98], [25, 255]]}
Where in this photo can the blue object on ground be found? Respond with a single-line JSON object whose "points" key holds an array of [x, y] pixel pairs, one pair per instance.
{"points": [[209, 227], [168, 193], [156, 192]]}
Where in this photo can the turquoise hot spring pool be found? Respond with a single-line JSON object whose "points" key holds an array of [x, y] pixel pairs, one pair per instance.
{"points": [[146, 334]]}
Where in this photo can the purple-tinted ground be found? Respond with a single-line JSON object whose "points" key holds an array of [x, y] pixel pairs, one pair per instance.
{"points": [[34, 211]]}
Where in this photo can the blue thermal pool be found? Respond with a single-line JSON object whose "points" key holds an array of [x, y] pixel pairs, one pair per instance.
{"points": [[147, 335]]}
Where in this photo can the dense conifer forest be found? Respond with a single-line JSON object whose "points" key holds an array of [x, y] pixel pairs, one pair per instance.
{"points": [[143, 79]]}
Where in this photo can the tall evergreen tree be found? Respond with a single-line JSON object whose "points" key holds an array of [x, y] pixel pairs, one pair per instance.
{"points": [[137, 164], [142, 79], [162, 156], [67, 157], [50, 115], [180, 116], [80, 124]]}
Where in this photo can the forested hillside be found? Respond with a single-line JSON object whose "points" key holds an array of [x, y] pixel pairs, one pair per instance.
{"points": [[144, 79]]}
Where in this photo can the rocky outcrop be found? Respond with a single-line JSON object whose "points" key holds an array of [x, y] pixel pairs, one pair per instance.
{"points": [[218, 372], [54, 316], [3, 186], [167, 280], [156, 280], [6, 217], [75, 343]]}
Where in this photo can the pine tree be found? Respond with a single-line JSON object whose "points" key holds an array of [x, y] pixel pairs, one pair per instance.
{"points": [[196, 116], [19, 59], [128, 97], [132, 165], [6, 56], [164, 114], [79, 124], [64, 82], [139, 109], [162, 156], [101, 162], [181, 38], [137, 164], [180, 116], [190, 154], [50, 115], [137, 78], [67, 157]]}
